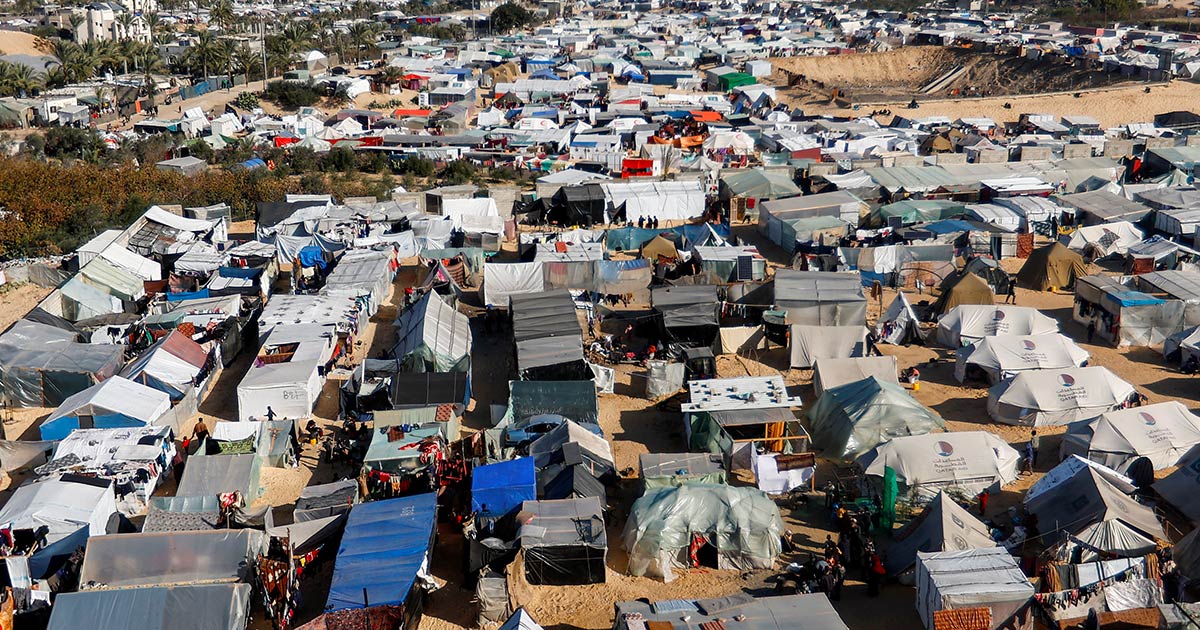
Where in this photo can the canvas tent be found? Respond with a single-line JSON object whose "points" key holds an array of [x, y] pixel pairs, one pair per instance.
{"points": [[809, 344], [944, 525], [1099, 241], [1057, 397], [563, 542], [384, 555], [72, 509], [966, 461], [1051, 267], [1181, 488], [110, 404], [831, 373], [1086, 500], [975, 578], [817, 298], [742, 524], [968, 323], [1163, 433], [432, 336], [998, 358], [504, 280], [899, 324], [963, 288], [215, 606], [852, 419], [549, 342]]}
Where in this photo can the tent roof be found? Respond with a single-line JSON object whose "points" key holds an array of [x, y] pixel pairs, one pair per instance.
{"points": [[972, 573], [564, 523], [1144, 431], [759, 184], [1001, 356], [545, 329], [1054, 265], [967, 323], [1059, 390], [944, 459], [215, 606], [385, 546], [64, 504], [434, 324], [116, 395], [1087, 498], [832, 373], [430, 388], [573, 399], [943, 526], [681, 306], [503, 486], [809, 611], [963, 288], [217, 474], [852, 419], [136, 560], [1179, 487], [659, 247]]}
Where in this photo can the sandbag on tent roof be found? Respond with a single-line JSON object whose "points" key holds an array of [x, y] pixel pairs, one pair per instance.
{"points": [[1052, 266], [899, 324], [974, 578], [943, 526], [432, 336], [212, 606], [968, 323], [830, 373], [563, 542], [971, 461], [742, 523], [1004, 357], [808, 344], [852, 419], [385, 550], [134, 560], [1057, 397], [114, 403], [1104, 239], [962, 288], [1163, 433], [1087, 499], [499, 489]]}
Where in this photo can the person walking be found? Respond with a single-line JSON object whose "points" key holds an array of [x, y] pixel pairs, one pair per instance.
{"points": [[200, 432], [1012, 292], [270, 413], [875, 573], [1091, 330]]}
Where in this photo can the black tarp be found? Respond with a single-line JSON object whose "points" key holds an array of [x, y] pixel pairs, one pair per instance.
{"points": [[270, 213], [686, 306], [42, 317], [570, 482], [549, 342], [564, 541], [429, 389], [1179, 119], [578, 205]]}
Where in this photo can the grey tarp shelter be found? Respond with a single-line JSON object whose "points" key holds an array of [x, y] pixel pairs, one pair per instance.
{"points": [[563, 542], [830, 373], [660, 470], [686, 308], [943, 526], [809, 344], [1086, 500], [818, 298], [218, 474], [1182, 487], [1162, 432], [743, 524], [810, 611], [975, 578], [45, 375], [852, 419], [432, 336], [209, 606], [137, 560], [1101, 206], [549, 342]]}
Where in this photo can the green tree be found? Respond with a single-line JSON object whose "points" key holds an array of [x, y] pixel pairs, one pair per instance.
{"points": [[18, 79], [364, 37], [510, 16]]}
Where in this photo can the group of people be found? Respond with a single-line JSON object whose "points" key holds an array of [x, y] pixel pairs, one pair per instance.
{"points": [[649, 223]]}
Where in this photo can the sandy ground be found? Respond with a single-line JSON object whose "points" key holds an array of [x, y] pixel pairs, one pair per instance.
{"points": [[20, 43], [16, 299]]}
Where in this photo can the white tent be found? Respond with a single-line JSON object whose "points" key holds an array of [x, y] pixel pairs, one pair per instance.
{"points": [[666, 200], [316, 62], [1078, 504], [974, 578], [1002, 357], [1105, 239], [943, 526], [501, 280], [290, 389], [966, 324], [1163, 433], [810, 343], [738, 142], [71, 511], [1057, 397], [458, 209], [1179, 487], [970, 461], [114, 402], [140, 266], [899, 324], [830, 373], [1186, 342]]}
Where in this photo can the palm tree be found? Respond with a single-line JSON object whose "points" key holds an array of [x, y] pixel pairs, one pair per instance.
{"points": [[155, 25], [125, 21], [363, 36], [205, 50], [245, 60], [75, 20], [222, 14], [282, 52], [18, 79]]}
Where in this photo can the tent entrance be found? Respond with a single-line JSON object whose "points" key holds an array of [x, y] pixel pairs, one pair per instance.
{"points": [[702, 552], [87, 422]]}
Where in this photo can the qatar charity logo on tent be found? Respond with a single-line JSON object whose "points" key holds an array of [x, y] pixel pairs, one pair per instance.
{"points": [[1029, 345], [945, 449], [1066, 380], [1148, 419], [998, 315]]}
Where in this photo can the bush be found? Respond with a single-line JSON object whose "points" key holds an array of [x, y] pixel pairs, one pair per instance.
{"points": [[509, 16], [415, 166], [70, 142], [458, 172], [340, 159], [292, 94], [246, 100]]}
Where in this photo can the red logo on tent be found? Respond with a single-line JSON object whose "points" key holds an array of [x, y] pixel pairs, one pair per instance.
{"points": [[945, 449], [1029, 345], [1148, 419], [998, 315], [1067, 380]]}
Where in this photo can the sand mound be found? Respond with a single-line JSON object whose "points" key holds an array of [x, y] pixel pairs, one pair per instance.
{"points": [[911, 67], [18, 43]]}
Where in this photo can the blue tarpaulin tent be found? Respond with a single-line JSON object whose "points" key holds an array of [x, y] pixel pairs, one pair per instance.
{"points": [[382, 550], [497, 489], [312, 256]]}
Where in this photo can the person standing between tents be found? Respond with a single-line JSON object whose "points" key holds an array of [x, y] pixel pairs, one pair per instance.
{"points": [[270, 413], [1091, 330], [641, 222], [920, 284], [875, 573], [1012, 292], [1031, 449], [200, 432]]}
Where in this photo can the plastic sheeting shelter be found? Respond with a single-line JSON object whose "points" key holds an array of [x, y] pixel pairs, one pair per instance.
{"points": [[385, 550], [811, 611], [573, 399], [171, 365], [430, 389], [1105, 239], [1163, 433], [665, 200], [137, 560], [1057, 397], [967, 461], [975, 578], [743, 524], [71, 508], [500, 489], [809, 344], [218, 474], [1003, 357], [210, 606], [831, 373], [968, 323], [570, 443], [549, 342], [943, 526], [963, 288], [1086, 499], [504, 280], [852, 419], [686, 307], [111, 404], [816, 298], [563, 542], [899, 324], [47, 375], [432, 336], [1052, 266], [663, 470]]}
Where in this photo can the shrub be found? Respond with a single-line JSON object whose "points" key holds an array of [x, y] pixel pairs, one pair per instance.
{"points": [[292, 94], [246, 100]]}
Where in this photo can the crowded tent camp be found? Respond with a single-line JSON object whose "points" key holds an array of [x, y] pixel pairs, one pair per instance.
{"points": [[641, 316]]}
